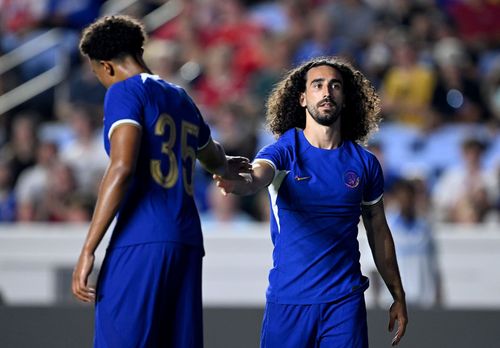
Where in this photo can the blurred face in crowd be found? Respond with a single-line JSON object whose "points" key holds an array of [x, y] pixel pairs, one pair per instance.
{"points": [[324, 94]]}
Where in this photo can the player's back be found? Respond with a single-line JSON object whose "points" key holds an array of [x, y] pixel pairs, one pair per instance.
{"points": [[159, 205]]}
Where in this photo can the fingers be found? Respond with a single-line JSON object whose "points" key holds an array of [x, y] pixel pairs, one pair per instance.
{"points": [[239, 164], [81, 291], [81, 274], [400, 331], [391, 323], [396, 339], [218, 181]]}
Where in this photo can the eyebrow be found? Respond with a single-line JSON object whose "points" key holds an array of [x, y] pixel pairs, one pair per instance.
{"points": [[321, 79]]}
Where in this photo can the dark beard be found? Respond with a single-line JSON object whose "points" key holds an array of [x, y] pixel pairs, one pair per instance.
{"points": [[324, 119]]}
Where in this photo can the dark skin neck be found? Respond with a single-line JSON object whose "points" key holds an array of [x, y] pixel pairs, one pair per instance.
{"points": [[128, 67], [115, 70]]}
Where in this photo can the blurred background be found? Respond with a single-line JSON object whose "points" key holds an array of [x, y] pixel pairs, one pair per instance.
{"points": [[435, 64]]}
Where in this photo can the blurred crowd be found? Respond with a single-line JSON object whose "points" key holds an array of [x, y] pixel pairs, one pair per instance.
{"points": [[435, 64]]}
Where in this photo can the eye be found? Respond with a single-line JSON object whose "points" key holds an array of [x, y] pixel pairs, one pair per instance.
{"points": [[317, 85], [337, 85]]}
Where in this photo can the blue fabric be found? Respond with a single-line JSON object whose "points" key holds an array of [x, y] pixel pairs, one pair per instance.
{"points": [[149, 295], [159, 205], [340, 324], [316, 200]]}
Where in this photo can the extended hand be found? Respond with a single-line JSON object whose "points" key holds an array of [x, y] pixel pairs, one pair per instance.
{"points": [[237, 165], [80, 278], [398, 313]]}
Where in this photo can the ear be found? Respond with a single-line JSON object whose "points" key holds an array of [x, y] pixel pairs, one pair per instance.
{"points": [[108, 67], [302, 99]]}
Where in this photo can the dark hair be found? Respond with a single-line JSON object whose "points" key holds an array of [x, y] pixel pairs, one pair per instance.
{"points": [[113, 37], [360, 115]]}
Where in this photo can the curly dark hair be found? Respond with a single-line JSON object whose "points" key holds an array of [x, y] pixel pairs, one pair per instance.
{"points": [[113, 37], [360, 115]]}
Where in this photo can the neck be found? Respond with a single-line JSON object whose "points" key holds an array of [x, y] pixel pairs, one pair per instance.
{"points": [[130, 67], [323, 137]]}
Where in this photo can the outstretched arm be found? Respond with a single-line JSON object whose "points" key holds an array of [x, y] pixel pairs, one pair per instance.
{"points": [[214, 160], [262, 175], [125, 143], [384, 255]]}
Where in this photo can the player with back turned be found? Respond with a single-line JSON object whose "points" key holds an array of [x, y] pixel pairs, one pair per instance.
{"points": [[149, 287], [320, 181]]}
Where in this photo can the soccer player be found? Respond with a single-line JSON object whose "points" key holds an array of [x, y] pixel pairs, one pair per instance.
{"points": [[320, 182], [149, 288]]}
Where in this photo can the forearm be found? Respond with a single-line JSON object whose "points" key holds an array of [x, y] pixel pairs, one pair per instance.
{"points": [[213, 159], [260, 176], [382, 247], [111, 192], [385, 259]]}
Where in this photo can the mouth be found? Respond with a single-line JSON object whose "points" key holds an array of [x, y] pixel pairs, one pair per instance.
{"points": [[328, 104]]}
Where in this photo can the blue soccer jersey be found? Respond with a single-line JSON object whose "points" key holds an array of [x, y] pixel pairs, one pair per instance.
{"points": [[316, 199], [159, 205]]}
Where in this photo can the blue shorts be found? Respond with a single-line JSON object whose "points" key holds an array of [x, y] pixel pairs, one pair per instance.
{"points": [[333, 325], [149, 295]]}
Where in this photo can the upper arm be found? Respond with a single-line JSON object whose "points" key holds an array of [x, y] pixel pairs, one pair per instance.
{"points": [[262, 174], [374, 219], [125, 142]]}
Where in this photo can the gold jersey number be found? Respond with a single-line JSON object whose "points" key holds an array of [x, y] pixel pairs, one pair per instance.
{"points": [[166, 124]]}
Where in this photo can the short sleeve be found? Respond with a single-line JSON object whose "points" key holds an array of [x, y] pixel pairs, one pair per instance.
{"points": [[272, 154], [374, 187], [123, 104]]}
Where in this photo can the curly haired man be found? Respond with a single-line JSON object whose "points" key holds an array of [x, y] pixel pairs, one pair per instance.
{"points": [[320, 181]]}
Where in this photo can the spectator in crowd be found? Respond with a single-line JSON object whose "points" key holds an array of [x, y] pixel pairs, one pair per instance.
{"points": [[22, 146], [492, 91], [465, 194], [415, 247], [407, 87], [277, 50], [85, 154], [7, 196], [79, 207], [82, 87], [476, 21], [61, 186], [322, 39], [457, 96], [163, 56], [352, 19], [32, 184], [218, 83]]}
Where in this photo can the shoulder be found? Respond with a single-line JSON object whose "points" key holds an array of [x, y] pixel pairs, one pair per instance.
{"points": [[361, 154], [289, 134], [287, 139], [363, 151], [130, 86]]}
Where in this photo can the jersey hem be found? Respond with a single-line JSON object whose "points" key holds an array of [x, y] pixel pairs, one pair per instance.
{"points": [[120, 122], [375, 201], [120, 246], [204, 145], [327, 299]]}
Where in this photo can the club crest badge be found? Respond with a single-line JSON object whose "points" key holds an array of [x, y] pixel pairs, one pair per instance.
{"points": [[351, 179]]}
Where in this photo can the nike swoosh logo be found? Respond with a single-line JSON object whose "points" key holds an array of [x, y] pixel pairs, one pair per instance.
{"points": [[300, 178]]}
